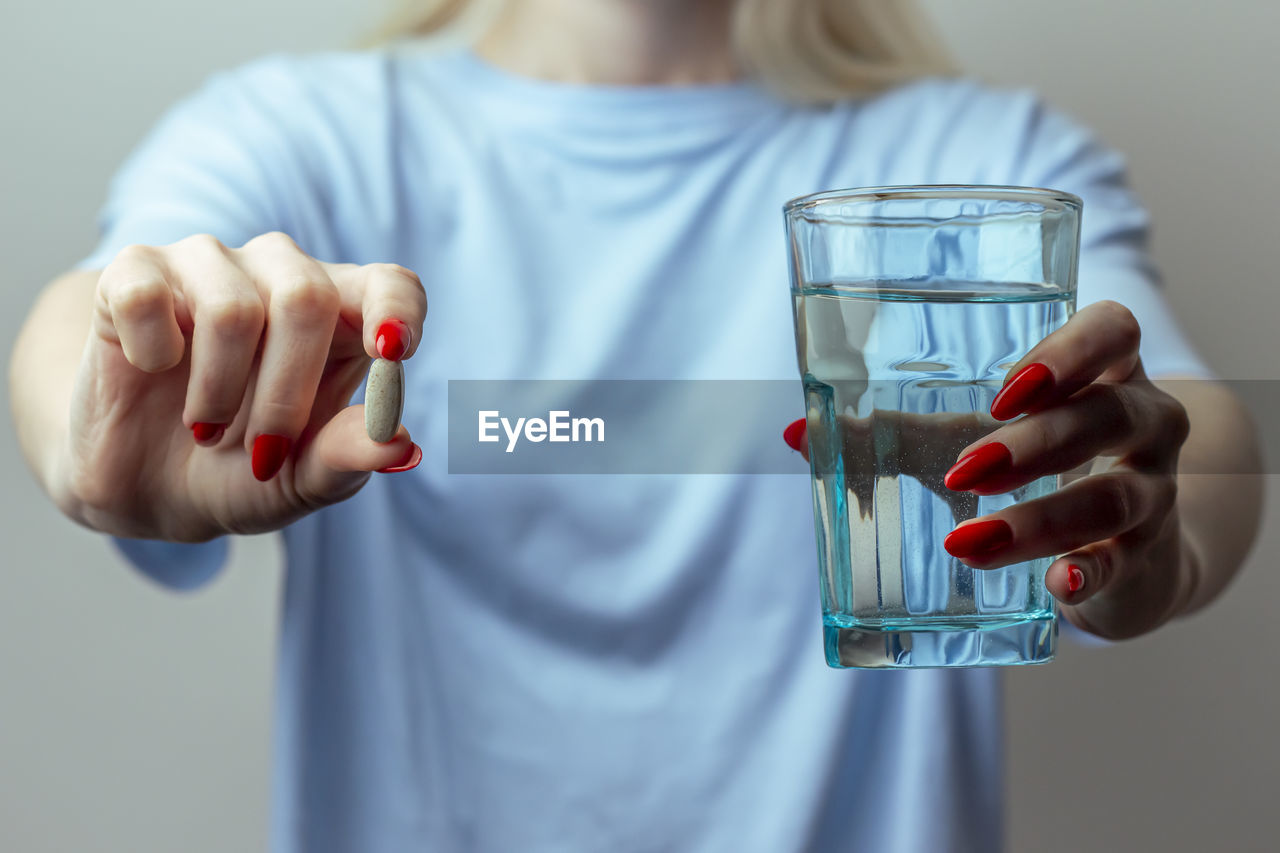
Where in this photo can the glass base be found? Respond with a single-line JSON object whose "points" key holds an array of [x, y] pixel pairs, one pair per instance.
{"points": [[910, 646]]}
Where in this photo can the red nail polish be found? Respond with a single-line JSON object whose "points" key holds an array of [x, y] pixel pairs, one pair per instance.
{"points": [[1075, 579], [795, 434], [973, 468], [978, 538], [207, 433], [1021, 391], [269, 453], [410, 462], [392, 340]]}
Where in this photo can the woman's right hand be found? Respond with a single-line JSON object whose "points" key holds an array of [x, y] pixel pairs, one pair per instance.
{"points": [[212, 394]]}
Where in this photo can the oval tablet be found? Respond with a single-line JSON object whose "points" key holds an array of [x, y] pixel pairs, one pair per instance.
{"points": [[383, 399]]}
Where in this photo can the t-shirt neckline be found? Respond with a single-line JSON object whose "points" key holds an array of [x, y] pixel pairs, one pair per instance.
{"points": [[600, 105]]}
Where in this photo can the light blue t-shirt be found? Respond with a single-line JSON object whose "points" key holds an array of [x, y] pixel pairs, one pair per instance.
{"points": [[580, 664]]}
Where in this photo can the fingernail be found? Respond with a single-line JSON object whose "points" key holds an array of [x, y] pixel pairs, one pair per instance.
{"points": [[979, 538], [269, 453], [794, 434], [392, 340], [1075, 579], [973, 468], [1021, 391], [410, 462], [207, 433]]}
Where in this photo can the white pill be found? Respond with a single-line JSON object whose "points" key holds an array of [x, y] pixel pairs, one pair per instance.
{"points": [[383, 399]]}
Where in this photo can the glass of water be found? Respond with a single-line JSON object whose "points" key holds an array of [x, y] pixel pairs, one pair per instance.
{"points": [[911, 304]]}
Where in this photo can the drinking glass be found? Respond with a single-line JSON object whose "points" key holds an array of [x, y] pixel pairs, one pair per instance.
{"points": [[911, 304]]}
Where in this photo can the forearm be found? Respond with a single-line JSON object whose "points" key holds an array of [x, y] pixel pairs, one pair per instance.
{"points": [[1219, 487], [42, 374]]}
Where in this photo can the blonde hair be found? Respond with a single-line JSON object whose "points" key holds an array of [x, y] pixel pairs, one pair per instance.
{"points": [[806, 50]]}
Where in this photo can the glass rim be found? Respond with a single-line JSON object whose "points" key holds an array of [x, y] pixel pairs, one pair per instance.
{"points": [[1050, 198]]}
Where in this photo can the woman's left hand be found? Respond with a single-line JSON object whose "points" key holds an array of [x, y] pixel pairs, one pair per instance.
{"points": [[1126, 567]]}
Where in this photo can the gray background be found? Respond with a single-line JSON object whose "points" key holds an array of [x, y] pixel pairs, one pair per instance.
{"points": [[135, 719]]}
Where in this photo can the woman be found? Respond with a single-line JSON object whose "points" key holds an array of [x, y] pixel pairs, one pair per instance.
{"points": [[592, 191]]}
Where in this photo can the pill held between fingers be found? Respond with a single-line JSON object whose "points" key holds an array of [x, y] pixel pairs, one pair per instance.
{"points": [[383, 399]]}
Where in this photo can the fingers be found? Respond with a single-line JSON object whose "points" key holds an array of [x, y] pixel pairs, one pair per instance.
{"points": [[301, 312], [1087, 511], [1078, 576], [1122, 596], [135, 307], [387, 302], [228, 315], [1098, 343], [265, 322], [1133, 420], [338, 460]]}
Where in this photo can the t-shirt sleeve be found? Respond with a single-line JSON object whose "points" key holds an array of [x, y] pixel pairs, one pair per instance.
{"points": [[175, 565], [216, 163], [1115, 262]]}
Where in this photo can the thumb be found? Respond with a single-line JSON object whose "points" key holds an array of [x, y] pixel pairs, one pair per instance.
{"points": [[340, 457], [796, 435]]}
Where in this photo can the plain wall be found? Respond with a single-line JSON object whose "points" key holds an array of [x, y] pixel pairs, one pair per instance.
{"points": [[136, 719]]}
